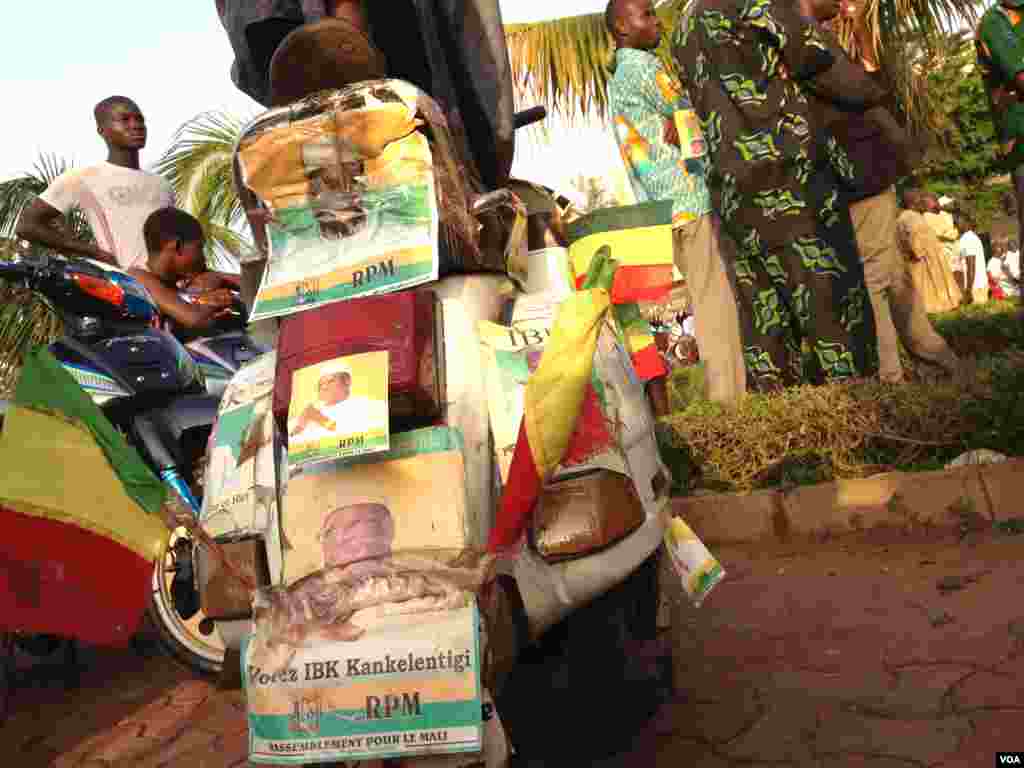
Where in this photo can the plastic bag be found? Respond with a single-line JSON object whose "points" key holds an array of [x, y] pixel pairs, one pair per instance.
{"points": [[325, 605], [383, 661]]}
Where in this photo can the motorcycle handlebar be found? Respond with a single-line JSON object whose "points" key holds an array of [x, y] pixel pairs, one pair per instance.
{"points": [[529, 117]]}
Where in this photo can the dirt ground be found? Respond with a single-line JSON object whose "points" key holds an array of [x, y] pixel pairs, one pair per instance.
{"points": [[880, 650]]}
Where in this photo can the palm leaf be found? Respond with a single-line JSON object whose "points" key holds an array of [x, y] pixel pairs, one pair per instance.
{"points": [[26, 319], [224, 247], [216, 205], [198, 164], [17, 193], [890, 23], [907, 38], [563, 63]]}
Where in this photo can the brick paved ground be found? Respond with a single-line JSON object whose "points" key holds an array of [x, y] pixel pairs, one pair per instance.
{"points": [[875, 652]]}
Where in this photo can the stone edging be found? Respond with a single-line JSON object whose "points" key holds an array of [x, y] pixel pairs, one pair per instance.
{"points": [[976, 495]]}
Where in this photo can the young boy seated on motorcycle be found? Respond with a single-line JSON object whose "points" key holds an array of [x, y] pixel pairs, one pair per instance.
{"points": [[174, 242]]}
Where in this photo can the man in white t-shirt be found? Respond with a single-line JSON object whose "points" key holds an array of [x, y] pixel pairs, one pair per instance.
{"points": [[115, 195]]}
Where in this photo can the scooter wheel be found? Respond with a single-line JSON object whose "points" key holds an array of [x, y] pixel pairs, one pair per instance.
{"points": [[181, 639]]}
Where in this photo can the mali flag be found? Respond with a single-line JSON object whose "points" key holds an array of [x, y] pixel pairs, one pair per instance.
{"points": [[80, 514], [556, 391], [639, 239]]}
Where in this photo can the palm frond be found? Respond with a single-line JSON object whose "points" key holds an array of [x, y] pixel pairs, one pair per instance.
{"points": [[224, 246], [906, 37], [17, 193], [214, 202], [200, 155], [564, 63], [198, 164], [26, 321], [889, 23]]}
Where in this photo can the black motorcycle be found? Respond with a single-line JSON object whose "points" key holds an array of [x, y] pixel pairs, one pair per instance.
{"points": [[160, 394]]}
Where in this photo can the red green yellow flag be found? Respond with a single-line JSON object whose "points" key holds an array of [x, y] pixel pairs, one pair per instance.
{"points": [[80, 512], [555, 392], [639, 239]]}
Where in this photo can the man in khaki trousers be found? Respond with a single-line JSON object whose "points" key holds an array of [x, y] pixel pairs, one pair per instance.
{"points": [[701, 256], [898, 306], [880, 153], [665, 155]]}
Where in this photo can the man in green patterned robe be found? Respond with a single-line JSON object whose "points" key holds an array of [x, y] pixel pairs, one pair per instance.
{"points": [[773, 180]]}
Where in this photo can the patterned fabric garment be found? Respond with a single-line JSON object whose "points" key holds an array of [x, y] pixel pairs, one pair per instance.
{"points": [[773, 182], [644, 99], [999, 41]]}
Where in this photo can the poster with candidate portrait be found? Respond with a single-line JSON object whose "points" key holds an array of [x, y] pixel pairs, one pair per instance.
{"points": [[339, 409]]}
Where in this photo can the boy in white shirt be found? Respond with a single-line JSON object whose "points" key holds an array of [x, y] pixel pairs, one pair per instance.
{"points": [[1005, 271], [971, 261], [115, 196]]}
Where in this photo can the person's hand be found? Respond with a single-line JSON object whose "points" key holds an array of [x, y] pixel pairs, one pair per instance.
{"points": [[261, 216], [309, 414], [300, 423], [671, 135], [204, 282], [222, 297]]}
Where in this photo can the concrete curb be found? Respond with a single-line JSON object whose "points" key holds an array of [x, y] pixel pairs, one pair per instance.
{"points": [[975, 496]]}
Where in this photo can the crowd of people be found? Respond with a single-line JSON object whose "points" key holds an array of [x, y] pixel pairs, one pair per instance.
{"points": [[782, 154]]}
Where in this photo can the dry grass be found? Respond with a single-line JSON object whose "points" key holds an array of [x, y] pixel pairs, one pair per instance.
{"points": [[809, 434]]}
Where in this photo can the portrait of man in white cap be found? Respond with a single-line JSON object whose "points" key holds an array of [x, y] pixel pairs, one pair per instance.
{"points": [[336, 412]]}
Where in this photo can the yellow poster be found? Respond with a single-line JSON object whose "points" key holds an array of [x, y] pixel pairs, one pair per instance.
{"points": [[691, 137], [339, 409], [356, 513]]}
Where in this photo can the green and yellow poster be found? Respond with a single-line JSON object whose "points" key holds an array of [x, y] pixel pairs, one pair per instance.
{"points": [[339, 409]]}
